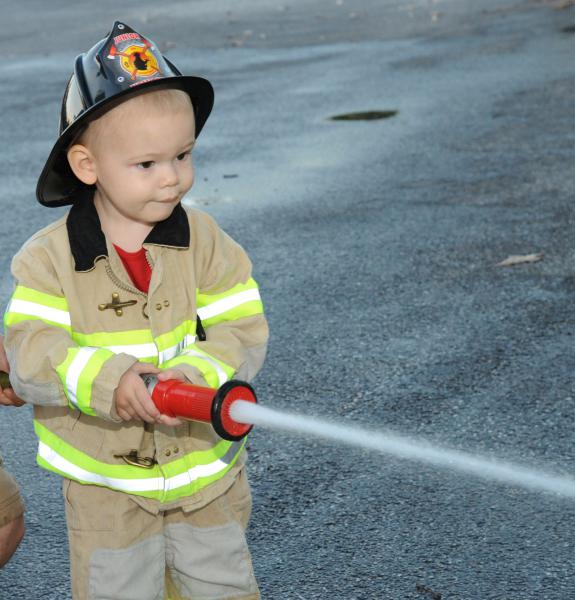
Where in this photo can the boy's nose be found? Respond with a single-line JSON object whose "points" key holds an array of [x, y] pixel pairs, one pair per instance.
{"points": [[169, 176]]}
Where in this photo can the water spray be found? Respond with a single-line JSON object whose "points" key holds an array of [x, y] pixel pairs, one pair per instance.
{"points": [[233, 410], [405, 447]]}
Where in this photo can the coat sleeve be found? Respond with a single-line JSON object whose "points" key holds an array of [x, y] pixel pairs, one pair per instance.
{"points": [[230, 309], [46, 366]]}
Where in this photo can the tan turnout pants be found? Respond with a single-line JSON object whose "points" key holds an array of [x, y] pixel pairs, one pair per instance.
{"points": [[119, 551]]}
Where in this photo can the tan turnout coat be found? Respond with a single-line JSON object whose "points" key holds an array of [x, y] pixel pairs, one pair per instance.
{"points": [[76, 323]]}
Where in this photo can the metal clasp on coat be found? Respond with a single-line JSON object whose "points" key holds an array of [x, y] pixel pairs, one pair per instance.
{"points": [[132, 458], [117, 305]]}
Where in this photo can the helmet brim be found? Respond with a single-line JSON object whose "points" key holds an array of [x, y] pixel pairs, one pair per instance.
{"points": [[58, 186]]}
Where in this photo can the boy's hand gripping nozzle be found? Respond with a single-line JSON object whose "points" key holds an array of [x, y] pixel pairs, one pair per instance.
{"points": [[178, 399], [197, 403]]}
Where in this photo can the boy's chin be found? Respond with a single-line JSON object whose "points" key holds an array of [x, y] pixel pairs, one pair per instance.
{"points": [[159, 211]]}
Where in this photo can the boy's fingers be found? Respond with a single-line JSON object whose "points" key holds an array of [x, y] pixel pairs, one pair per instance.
{"points": [[139, 400], [171, 374], [141, 414], [169, 421], [146, 408], [140, 367], [124, 414], [127, 408]]}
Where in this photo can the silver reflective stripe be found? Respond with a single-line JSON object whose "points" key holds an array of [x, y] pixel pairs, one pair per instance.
{"points": [[75, 472], [194, 473], [151, 484], [150, 349], [136, 350], [32, 309], [232, 451], [198, 471], [225, 304], [173, 351], [75, 371]]}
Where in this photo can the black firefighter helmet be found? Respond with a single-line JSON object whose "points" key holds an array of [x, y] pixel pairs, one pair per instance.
{"points": [[123, 64]]}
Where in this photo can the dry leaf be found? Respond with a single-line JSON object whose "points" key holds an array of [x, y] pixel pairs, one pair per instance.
{"points": [[519, 259], [564, 5]]}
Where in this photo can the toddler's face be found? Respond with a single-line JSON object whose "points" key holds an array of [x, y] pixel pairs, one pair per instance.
{"points": [[143, 160]]}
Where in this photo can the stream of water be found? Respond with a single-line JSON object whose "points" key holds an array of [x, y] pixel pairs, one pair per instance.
{"points": [[404, 447]]}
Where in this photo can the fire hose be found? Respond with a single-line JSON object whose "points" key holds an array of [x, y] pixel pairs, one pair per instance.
{"points": [[195, 403]]}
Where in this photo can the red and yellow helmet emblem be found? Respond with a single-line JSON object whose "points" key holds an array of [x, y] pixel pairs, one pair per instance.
{"points": [[136, 58]]}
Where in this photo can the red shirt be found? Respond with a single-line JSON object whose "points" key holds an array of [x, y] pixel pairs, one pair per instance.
{"points": [[137, 266]]}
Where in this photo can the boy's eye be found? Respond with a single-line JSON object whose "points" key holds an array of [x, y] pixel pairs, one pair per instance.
{"points": [[183, 155], [146, 164]]}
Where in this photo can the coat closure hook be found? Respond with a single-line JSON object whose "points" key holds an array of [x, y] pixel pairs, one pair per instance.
{"points": [[117, 305]]}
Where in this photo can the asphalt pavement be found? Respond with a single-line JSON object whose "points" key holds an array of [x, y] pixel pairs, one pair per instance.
{"points": [[376, 244]]}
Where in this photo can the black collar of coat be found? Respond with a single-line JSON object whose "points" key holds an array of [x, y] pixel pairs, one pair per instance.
{"points": [[88, 243]]}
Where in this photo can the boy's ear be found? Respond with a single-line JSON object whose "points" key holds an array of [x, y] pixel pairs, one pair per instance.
{"points": [[82, 163]]}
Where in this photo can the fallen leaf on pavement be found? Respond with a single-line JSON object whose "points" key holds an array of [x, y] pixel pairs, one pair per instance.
{"points": [[519, 259], [563, 5]]}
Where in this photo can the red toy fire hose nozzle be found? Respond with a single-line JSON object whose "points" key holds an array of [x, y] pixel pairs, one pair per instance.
{"points": [[178, 399]]}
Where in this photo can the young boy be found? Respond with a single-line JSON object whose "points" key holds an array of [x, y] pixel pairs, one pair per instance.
{"points": [[129, 283]]}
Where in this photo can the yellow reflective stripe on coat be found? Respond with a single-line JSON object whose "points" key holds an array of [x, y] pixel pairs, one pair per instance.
{"points": [[28, 304], [213, 370], [138, 343], [78, 372], [243, 300], [165, 483]]}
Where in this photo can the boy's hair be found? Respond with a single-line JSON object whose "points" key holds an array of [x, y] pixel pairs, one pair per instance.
{"points": [[167, 100]]}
